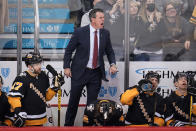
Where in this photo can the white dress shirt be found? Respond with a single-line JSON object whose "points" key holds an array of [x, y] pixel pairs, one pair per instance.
{"points": [[92, 33]]}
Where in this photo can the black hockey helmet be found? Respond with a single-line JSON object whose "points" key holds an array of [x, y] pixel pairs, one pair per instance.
{"points": [[1, 80], [152, 74], [32, 58], [179, 75], [105, 110]]}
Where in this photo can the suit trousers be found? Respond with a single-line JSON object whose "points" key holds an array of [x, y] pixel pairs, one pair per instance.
{"points": [[92, 80]]}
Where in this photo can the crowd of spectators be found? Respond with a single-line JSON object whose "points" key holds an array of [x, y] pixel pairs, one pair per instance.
{"points": [[157, 27]]}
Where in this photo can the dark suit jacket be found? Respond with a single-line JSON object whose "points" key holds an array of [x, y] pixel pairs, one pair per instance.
{"points": [[80, 41]]}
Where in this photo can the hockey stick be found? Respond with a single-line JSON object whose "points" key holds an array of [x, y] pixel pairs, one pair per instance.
{"points": [[59, 101], [59, 107], [190, 115], [59, 81]]}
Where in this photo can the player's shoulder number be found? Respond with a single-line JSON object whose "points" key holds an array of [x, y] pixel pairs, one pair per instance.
{"points": [[16, 85]]}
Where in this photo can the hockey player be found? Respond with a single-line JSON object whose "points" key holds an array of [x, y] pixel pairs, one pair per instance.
{"points": [[29, 93], [4, 107], [103, 113], [193, 17], [146, 106], [178, 103]]}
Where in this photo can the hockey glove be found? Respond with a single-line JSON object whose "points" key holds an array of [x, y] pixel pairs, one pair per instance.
{"points": [[20, 119], [176, 123], [58, 81], [191, 91], [145, 85]]}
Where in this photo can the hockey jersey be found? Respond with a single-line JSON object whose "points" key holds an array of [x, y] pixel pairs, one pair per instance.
{"points": [[178, 108], [144, 109], [31, 93], [5, 113], [193, 17]]}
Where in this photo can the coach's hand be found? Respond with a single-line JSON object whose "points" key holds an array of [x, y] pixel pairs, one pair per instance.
{"points": [[113, 69], [67, 72]]}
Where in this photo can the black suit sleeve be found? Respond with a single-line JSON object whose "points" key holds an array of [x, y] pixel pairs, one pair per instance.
{"points": [[109, 50], [69, 50]]}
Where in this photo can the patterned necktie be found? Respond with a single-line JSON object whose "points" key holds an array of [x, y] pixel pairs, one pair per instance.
{"points": [[95, 52]]}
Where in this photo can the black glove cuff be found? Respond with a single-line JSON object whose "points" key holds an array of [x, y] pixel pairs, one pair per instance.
{"points": [[55, 89]]}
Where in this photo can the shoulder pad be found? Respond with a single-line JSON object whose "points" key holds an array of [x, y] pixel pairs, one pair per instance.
{"points": [[23, 74]]}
